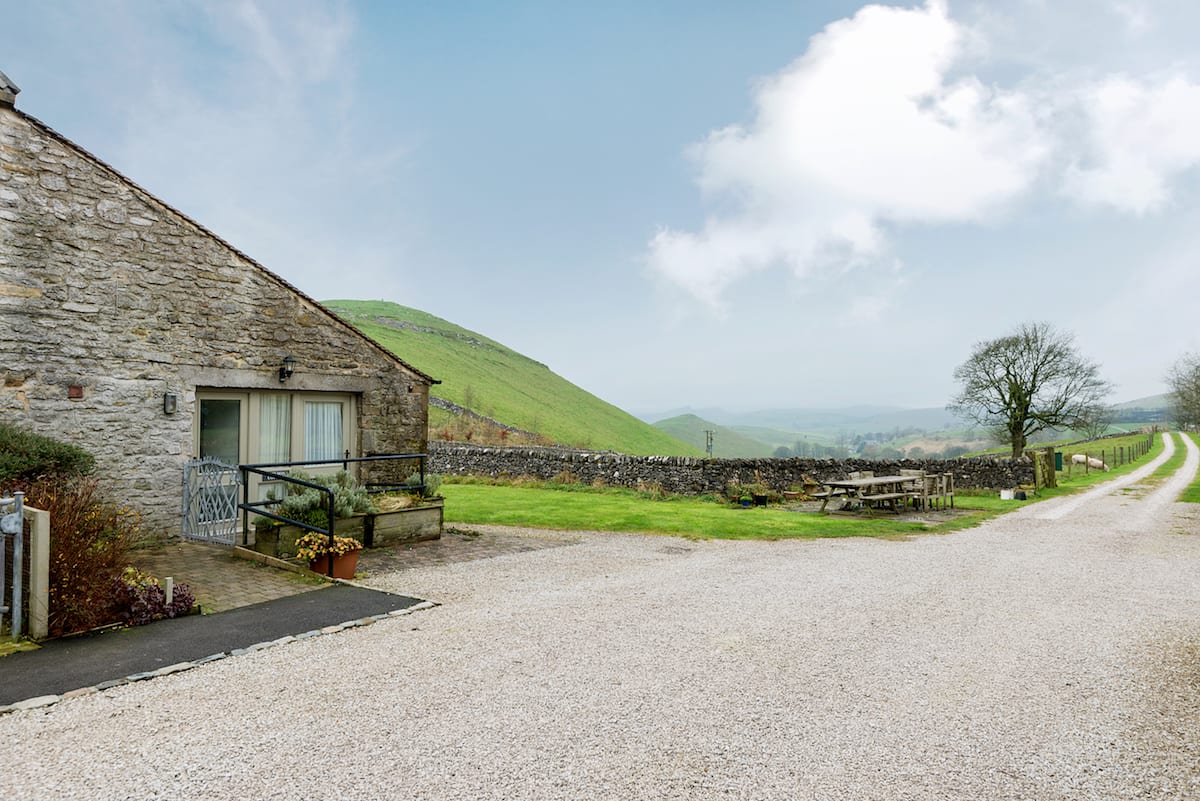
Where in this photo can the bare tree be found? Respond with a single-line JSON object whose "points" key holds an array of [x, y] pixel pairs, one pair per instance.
{"points": [[1031, 380], [1094, 424], [1184, 380]]}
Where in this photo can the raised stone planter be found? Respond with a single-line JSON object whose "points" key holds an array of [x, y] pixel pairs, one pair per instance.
{"points": [[280, 541], [413, 524]]}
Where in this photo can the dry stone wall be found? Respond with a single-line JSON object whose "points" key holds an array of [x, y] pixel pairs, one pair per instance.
{"points": [[109, 299], [691, 476]]}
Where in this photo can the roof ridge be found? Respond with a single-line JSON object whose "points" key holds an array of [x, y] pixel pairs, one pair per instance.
{"points": [[253, 262]]}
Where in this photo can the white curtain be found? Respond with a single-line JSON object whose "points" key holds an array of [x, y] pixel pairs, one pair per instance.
{"points": [[322, 430], [275, 428]]}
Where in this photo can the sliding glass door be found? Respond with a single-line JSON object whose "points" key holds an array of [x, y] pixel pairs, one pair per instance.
{"points": [[271, 427]]}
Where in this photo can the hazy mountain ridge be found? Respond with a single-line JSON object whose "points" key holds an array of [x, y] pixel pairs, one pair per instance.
{"points": [[727, 443]]}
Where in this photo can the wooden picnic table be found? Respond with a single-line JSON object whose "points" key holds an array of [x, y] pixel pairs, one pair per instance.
{"points": [[871, 490]]}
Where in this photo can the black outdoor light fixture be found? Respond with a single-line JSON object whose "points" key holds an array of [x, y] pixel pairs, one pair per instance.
{"points": [[289, 367], [170, 403]]}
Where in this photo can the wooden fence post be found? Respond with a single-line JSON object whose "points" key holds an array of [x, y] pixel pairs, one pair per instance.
{"points": [[1051, 475]]}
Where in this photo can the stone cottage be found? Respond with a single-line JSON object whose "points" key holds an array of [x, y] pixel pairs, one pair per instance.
{"points": [[131, 330]]}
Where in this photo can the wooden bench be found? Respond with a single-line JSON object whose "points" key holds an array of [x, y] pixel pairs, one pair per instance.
{"points": [[825, 495], [884, 497]]}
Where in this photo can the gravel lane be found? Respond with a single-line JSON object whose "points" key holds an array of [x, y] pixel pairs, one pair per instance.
{"points": [[1040, 656]]}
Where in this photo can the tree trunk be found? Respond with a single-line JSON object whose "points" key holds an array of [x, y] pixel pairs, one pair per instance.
{"points": [[1018, 443]]}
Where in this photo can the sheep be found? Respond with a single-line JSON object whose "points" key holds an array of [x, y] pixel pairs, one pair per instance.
{"points": [[1090, 461]]}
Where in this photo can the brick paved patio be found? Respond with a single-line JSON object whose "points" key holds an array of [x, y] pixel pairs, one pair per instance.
{"points": [[219, 580], [222, 581]]}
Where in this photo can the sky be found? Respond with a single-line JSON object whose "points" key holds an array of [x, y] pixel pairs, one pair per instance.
{"points": [[675, 204]]}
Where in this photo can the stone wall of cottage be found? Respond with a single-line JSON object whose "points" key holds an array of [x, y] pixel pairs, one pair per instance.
{"points": [[109, 299], [692, 476]]}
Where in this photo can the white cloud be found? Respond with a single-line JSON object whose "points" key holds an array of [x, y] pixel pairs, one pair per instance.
{"points": [[869, 127], [1141, 136], [884, 123]]}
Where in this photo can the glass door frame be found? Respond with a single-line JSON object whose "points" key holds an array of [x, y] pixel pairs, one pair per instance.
{"points": [[249, 431]]}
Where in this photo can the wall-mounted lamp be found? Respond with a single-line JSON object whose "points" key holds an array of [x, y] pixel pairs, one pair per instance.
{"points": [[170, 403], [289, 367]]}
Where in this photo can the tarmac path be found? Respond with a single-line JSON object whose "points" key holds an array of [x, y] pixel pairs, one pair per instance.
{"points": [[1051, 653]]}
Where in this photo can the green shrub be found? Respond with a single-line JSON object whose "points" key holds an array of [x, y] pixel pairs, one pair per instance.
{"points": [[309, 506], [25, 456]]}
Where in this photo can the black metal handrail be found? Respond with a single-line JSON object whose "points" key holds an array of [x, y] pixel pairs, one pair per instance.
{"points": [[267, 471]]}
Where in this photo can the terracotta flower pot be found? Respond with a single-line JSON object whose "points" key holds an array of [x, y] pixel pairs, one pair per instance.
{"points": [[343, 566]]}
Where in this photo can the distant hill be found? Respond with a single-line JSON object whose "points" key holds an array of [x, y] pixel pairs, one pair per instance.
{"points": [[1149, 402], [784, 426], [727, 443], [492, 381]]}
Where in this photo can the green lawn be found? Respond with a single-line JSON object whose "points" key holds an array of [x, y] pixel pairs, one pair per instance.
{"points": [[588, 509]]}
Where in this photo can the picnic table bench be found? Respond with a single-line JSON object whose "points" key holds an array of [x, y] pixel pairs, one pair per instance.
{"points": [[889, 490]]}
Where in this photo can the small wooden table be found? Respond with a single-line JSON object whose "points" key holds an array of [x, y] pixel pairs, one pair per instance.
{"points": [[875, 489]]}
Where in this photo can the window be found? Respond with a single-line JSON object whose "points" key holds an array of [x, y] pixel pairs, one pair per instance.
{"points": [[323, 430], [270, 427], [274, 428], [220, 428]]}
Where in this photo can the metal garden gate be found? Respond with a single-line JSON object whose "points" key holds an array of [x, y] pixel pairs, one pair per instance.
{"points": [[12, 524], [211, 490]]}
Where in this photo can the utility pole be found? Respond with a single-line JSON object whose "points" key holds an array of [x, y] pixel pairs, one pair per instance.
{"points": [[708, 438]]}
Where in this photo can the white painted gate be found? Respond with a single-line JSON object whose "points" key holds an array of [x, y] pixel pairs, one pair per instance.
{"points": [[211, 493]]}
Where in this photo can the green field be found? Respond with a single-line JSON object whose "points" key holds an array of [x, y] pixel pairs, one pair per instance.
{"points": [[1107, 446], [1114, 451], [490, 379]]}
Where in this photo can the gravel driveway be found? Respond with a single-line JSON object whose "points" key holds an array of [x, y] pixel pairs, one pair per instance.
{"points": [[1053, 653]]}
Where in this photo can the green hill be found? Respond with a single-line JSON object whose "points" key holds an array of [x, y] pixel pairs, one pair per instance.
{"points": [[485, 377], [727, 443], [1150, 402]]}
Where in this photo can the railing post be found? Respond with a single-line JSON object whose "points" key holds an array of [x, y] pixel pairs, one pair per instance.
{"points": [[245, 509], [18, 565], [329, 560], [5, 502]]}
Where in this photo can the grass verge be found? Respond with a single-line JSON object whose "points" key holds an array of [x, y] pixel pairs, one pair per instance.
{"points": [[1192, 493]]}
